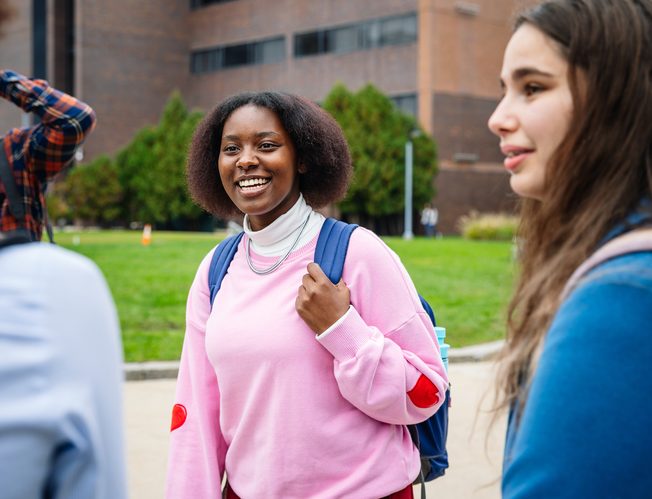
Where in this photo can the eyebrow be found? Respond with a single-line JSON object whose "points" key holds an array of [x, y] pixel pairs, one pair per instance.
{"points": [[521, 73], [259, 135]]}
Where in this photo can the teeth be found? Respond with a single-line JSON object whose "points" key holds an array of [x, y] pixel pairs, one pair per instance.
{"points": [[251, 182]]}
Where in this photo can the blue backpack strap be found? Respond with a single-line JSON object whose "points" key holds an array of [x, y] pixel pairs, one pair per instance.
{"points": [[220, 263], [332, 245], [426, 306]]}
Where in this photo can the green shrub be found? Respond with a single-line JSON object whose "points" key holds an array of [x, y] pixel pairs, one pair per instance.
{"points": [[58, 210], [488, 226], [93, 192]]}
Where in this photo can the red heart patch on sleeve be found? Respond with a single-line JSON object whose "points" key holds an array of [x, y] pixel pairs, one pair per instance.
{"points": [[424, 394], [179, 414]]}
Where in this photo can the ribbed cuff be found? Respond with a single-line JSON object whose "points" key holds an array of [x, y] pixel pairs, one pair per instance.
{"points": [[346, 336]]}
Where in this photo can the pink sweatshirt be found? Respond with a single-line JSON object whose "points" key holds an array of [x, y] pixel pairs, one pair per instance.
{"points": [[289, 415]]}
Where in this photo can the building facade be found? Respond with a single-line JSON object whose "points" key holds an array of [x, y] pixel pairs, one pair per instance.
{"points": [[437, 59]]}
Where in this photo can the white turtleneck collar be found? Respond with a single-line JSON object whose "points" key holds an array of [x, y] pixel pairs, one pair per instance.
{"points": [[277, 237]]}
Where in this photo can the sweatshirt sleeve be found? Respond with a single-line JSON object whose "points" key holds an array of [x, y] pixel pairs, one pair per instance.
{"points": [[386, 358], [585, 429], [197, 448]]}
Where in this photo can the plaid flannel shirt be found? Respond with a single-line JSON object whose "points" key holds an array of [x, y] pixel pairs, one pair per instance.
{"points": [[36, 154]]}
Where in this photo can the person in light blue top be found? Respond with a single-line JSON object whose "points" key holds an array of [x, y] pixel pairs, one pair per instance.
{"points": [[61, 431], [575, 127]]}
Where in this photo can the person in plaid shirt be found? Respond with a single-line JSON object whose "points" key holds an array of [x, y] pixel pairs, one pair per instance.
{"points": [[36, 154]]}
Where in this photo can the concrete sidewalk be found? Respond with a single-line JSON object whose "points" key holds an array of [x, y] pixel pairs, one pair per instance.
{"points": [[475, 453]]}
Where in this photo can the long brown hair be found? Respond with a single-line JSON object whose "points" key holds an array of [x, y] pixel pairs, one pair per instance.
{"points": [[597, 175]]}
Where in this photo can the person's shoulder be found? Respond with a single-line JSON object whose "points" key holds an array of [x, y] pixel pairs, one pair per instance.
{"points": [[362, 236], [629, 270], [52, 260], [368, 246], [621, 287]]}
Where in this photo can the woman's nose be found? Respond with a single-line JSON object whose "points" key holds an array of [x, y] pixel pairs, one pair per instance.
{"points": [[247, 160], [502, 120]]}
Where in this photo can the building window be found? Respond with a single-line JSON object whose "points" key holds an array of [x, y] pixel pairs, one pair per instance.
{"points": [[383, 32], [63, 71], [398, 30], [406, 103], [343, 40], [196, 4], [244, 54], [309, 43]]}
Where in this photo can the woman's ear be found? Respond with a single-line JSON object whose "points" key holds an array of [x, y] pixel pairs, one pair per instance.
{"points": [[302, 168]]}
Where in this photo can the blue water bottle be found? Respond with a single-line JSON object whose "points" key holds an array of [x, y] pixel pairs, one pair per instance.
{"points": [[443, 346]]}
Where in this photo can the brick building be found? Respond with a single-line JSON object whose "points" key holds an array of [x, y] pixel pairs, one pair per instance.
{"points": [[438, 59]]}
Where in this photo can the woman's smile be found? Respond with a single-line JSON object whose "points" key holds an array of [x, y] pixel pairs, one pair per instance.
{"points": [[253, 186]]}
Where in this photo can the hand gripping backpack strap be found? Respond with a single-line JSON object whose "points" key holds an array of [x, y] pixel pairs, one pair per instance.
{"points": [[16, 205], [220, 262], [632, 242]]}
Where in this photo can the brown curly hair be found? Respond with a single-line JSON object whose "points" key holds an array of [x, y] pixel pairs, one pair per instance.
{"points": [[318, 140]]}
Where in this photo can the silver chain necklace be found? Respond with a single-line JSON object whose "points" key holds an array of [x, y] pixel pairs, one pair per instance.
{"points": [[278, 263]]}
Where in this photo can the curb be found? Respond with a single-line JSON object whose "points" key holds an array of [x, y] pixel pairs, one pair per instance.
{"points": [[141, 371], [476, 353]]}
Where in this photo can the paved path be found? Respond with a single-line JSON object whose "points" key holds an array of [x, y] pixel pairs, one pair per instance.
{"points": [[475, 459]]}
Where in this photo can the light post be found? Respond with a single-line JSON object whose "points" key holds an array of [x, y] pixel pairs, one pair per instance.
{"points": [[407, 224]]}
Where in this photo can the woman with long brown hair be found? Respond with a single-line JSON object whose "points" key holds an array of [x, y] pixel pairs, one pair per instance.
{"points": [[575, 125]]}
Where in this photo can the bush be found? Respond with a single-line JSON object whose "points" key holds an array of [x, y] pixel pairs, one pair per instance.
{"points": [[93, 192], [488, 226], [377, 132], [151, 169], [59, 212]]}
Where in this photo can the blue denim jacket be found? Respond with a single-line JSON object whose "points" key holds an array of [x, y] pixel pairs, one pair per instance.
{"points": [[585, 430]]}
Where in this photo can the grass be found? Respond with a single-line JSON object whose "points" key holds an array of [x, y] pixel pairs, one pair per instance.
{"points": [[467, 283]]}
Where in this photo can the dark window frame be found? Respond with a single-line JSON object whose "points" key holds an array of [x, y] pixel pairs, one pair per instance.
{"points": [[399, 99], [223, 57], [199, 4], [370, 34]]}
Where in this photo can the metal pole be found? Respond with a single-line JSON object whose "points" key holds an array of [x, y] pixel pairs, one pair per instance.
{"points": [[407, 229]]}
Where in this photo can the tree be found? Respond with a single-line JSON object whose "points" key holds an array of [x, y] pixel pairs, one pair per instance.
{"points": [[152, 168], [377, 132], [136, 165], [93, 192], [145, 182]]}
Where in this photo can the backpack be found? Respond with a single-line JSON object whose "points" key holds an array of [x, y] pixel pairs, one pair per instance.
{"points": [[430, 435]]}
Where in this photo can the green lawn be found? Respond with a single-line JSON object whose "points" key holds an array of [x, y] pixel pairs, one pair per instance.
{"points": [[467, 283]]}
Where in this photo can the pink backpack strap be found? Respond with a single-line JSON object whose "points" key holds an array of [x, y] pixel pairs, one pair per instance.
{"points": [[631, 242]]}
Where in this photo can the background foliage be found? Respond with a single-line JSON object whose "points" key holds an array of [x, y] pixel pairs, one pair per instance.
{"points": [[145, 181], [377, 133], [488, 226]]}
